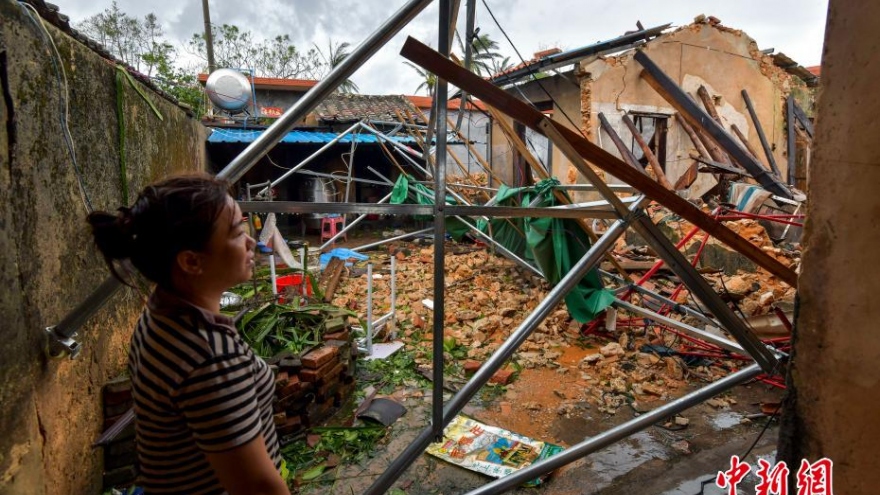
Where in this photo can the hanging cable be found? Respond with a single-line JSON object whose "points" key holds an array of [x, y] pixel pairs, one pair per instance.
{"points": [[63, 97], [531, 72]]}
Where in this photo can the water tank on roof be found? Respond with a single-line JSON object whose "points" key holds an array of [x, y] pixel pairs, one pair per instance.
{"points": [[229, 90]]}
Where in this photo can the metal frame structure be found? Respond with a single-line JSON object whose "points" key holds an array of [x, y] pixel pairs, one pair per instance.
{"points": [[628, 214]]}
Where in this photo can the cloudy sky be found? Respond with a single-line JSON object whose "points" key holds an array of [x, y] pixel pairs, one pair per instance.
{"points": [[794, 27]]}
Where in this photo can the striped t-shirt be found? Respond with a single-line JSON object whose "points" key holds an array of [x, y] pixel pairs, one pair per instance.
{"points": [[197, 388]]}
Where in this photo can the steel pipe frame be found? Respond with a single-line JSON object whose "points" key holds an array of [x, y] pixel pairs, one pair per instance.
{"points": [[689, 275], [590, 259], [617, 433], [677, 307], [391, 239], [665, 320], [304, 162], [61, 335]]}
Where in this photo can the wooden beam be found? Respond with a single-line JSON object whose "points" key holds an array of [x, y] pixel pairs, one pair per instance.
{"points": [[622, 148], [803, 119], [432, 61], [652, 158], [768, 152], [745, 141], [669, 90]]}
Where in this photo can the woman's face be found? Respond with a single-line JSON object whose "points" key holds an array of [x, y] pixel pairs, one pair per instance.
{"points": [[229, 255]]}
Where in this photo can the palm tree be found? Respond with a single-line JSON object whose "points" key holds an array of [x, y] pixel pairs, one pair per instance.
{"points": [[336, 53], [428, 82], [484, 58]]}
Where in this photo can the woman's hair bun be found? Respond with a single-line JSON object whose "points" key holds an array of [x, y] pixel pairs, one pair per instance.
{"points": [[113, 233]]}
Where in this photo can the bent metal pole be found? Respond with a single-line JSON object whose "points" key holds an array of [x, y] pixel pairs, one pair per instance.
{"points": [[61, 335], [494, 363]]}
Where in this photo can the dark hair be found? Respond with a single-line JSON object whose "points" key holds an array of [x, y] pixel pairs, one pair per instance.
{"points": [[170, 216]]}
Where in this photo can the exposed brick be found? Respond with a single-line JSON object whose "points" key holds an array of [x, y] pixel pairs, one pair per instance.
{"points": [[502, 376], [314, 376], [319, 357], [281, 377], [471, 366], [343, 336], [328, 391], [292, 386]]}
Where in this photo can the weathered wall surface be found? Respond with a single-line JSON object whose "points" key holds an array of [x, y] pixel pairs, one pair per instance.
{"points": [[50, 410], [725, 60], [835, 381]]}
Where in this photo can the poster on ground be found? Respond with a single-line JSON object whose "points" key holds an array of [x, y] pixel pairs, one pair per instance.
{"points": [[490, 450]]}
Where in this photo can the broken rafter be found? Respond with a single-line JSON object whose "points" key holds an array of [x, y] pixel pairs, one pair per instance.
{"points": [[768, 152], [625, 153], [430, 60], [670, 91], [745, 141], [649, 155]]}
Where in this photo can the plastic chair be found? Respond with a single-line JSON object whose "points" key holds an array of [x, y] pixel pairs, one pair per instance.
{"points": [[331, 225]]}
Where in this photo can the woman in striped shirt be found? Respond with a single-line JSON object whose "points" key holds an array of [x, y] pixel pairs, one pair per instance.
{"points": [[203, 399]]}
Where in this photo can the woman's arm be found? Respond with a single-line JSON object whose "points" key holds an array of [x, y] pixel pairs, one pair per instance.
{"points": [[248, 470]]}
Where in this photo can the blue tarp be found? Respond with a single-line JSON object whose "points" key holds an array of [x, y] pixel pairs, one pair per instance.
{"points": [[299, 137]]}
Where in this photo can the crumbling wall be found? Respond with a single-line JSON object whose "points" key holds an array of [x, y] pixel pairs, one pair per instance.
{"points": [[50, 411], [834, 392], [726, 61]]}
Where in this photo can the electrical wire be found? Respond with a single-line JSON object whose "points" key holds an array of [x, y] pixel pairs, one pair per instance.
{"points": [[63, 99], [531, 71]]}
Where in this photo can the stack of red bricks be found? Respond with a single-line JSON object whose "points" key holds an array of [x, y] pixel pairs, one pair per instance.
{"points": [[309, 389], [119, 454]]}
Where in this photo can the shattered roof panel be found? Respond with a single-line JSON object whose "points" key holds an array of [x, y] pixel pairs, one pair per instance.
{"points": [[351, 108]]}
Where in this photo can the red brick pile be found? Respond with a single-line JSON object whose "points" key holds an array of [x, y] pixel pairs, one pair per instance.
{"points": [[310, 388]]}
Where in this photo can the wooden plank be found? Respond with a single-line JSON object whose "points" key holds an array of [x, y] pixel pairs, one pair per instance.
{"points": [[768, 152], [669, 90], [429, 59], [330, 278], [709, 104], [652, 159]]}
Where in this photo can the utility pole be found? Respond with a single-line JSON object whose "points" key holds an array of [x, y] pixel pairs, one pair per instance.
{"points": [[209, 37]]}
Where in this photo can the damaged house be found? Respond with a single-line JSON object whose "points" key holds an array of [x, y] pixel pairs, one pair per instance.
{"points": [[605, 96]]}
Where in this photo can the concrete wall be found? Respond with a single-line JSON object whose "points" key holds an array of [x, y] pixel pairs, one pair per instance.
{"points": [[566, 108], [834, 398], [50, 411], [724, 60]]}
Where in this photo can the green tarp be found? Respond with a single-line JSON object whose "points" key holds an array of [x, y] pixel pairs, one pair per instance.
{"points": [[554, 245]]}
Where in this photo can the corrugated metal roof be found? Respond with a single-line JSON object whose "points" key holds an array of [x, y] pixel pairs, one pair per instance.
{"points": [[295, 137]]}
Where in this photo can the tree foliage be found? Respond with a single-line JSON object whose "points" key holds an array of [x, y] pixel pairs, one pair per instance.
{"points": [[277, 57]]}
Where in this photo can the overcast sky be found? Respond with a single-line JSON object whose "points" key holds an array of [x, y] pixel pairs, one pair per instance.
{"points": [[794, 27]]}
